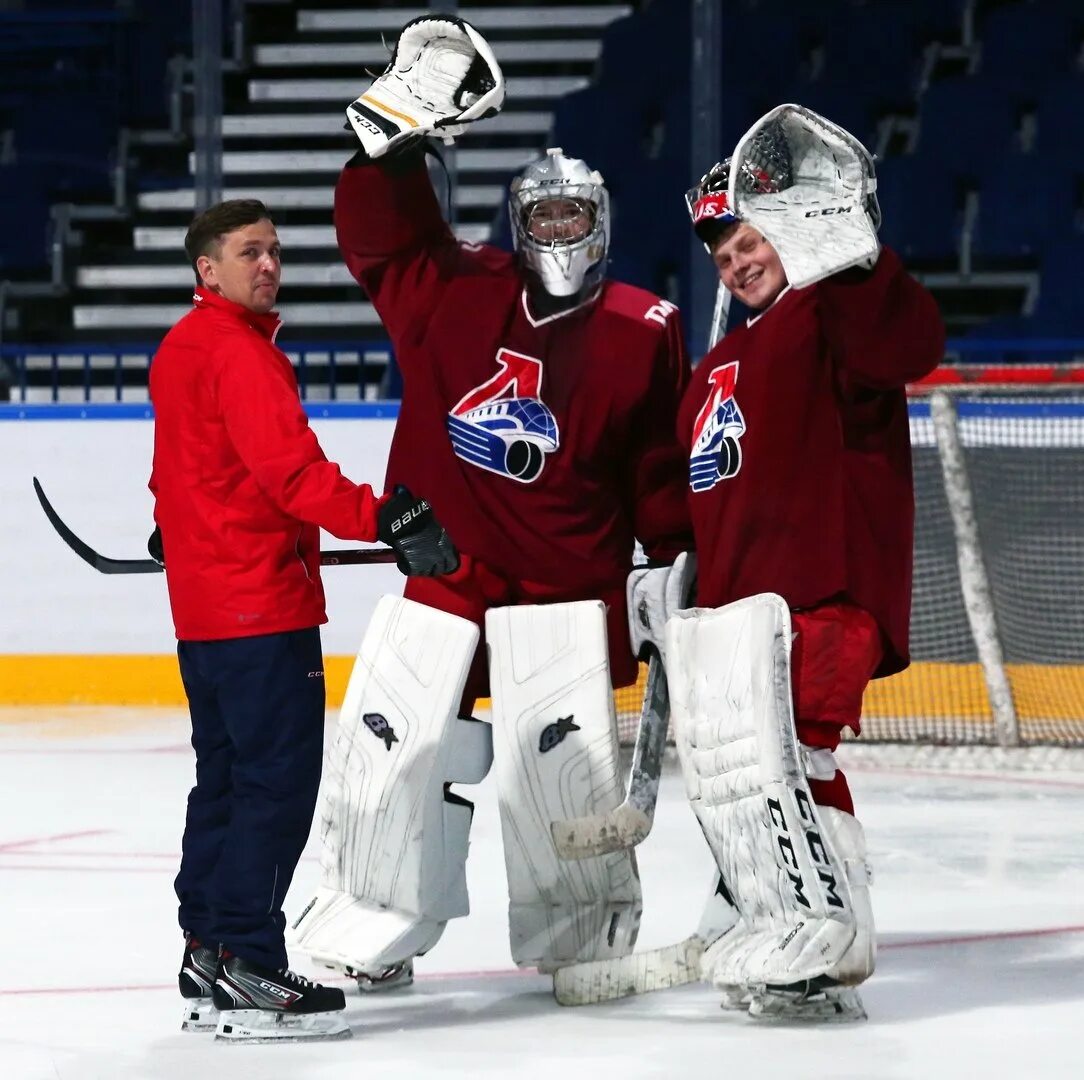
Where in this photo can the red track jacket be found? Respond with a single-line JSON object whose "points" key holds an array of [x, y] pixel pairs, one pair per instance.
{"points": [[239, 480]]}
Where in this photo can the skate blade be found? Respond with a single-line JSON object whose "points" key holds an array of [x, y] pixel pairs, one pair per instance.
{"points": [[838, 1005], [199, 1016], [266, 1025], [735, 999], [399, 977]]}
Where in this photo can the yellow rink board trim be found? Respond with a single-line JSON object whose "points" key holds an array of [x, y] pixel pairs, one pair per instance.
{"points": [[930, 690], [936, 691], [126, 679]]}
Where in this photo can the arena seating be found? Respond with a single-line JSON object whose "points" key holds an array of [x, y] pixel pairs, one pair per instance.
{"points": [[973, 107]]}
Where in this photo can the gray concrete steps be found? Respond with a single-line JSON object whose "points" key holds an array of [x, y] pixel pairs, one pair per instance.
{"points": [[346, 90], [375, 55], [579, 16], [285, 162], [531, 122], [467, 196], [158, 317]]}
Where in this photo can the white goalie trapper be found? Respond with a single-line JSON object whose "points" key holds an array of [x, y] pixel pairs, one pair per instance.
{"points": [[442, 76], [807, 185]]}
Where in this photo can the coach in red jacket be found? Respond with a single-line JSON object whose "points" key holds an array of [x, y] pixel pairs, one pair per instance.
{"points": [[241, 490]]}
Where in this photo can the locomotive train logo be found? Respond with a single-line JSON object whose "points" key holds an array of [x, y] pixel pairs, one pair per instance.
{"points": [[716, 452], [503, 425]]}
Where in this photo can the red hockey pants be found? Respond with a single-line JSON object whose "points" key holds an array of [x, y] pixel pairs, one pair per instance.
{"points": [[836, 649]]}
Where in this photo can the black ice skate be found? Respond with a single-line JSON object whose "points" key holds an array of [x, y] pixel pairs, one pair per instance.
{"points": [[196, 981], [259, 1004], [393, 977]]}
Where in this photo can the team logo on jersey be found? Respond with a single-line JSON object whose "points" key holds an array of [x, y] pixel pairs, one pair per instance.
{"points": [[503, 425], [716, 452]]}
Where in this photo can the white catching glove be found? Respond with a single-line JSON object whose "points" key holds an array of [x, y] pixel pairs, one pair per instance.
{"points": [[442, 76], [823, 215], [654, 594]]}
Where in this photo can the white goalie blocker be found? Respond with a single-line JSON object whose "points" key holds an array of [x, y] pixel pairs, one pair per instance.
{"points": [[795, 871], [394, 838], [555, 752]]}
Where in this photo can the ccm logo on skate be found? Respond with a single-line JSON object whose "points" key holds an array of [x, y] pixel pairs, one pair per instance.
{"points": [[829, 210], [380, 727], [554, 734], [278, 991]]}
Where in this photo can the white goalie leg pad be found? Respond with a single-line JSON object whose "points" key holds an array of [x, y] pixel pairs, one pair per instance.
{"points": [[394, 840], [797, 873], [555, 747]]}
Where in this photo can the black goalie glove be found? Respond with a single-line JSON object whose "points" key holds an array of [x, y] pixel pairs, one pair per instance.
{"points": [[154, 546], [422, 547]]}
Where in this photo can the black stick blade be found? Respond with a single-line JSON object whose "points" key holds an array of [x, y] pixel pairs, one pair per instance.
{"points": [[104, 565], [101, 563]]}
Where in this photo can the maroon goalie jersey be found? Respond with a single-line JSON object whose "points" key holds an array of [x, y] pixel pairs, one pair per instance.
{"points": [[798, 446], [544, 444]]}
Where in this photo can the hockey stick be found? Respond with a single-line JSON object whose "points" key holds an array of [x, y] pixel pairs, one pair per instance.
{"points": [[596, 981], [672, 965], [629, 824], [104, 565]]}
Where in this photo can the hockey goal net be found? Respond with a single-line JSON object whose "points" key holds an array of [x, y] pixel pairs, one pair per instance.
{"points": [[997, 621]]}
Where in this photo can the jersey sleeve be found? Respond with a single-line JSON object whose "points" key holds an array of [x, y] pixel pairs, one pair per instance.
{"points": [[270, 432], [883, 328], [659, 466], [395, 242]]}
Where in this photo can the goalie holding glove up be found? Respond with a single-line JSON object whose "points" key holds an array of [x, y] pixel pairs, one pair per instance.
{"points": [[538, 414], [802, 503]]}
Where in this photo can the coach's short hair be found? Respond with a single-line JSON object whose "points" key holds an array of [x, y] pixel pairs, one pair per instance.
{"points": [[204, 236]]}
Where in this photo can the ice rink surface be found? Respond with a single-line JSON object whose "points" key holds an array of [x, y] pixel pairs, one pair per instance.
{"points": [[979, 896]]}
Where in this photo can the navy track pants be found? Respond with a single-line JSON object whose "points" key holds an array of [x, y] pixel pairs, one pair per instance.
{"points": [[257, 708]]}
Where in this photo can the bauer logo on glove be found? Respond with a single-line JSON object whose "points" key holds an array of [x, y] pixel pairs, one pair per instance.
{"points": [[442, 76]]}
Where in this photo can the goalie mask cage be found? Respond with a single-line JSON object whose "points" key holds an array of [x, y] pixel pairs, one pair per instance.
{"points": [[997, 618]]}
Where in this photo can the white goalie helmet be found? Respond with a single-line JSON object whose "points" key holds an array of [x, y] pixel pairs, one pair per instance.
{"points": [[560, 214]]}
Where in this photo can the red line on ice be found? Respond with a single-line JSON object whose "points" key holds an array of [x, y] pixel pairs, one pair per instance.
{"points": [[951, 774], [515, 973], [33, 841]]}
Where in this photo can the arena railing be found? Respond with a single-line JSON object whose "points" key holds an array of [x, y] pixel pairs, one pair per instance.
{"points": [[35, 373], [52, 374]]}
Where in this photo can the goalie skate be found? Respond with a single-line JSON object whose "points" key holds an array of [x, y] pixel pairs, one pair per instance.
{"points": [[382, 980], [809, 1002]]}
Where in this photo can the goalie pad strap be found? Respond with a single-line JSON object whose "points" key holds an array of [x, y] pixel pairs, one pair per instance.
{"points": [[729, 672], [394, 840], [555, 748], [653, 594]]}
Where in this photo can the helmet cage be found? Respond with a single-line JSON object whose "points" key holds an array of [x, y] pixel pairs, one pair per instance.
{"points": [[564, 266], [766, 168]]}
